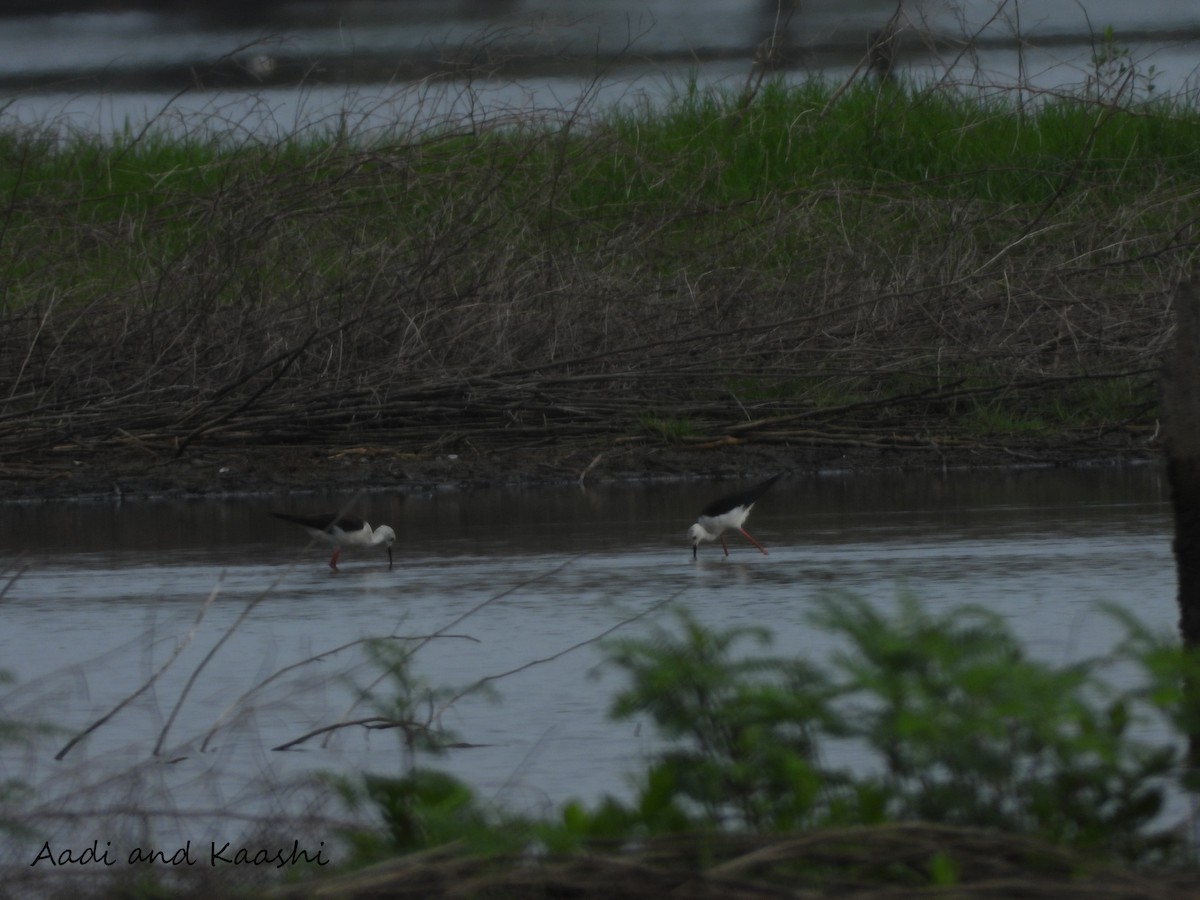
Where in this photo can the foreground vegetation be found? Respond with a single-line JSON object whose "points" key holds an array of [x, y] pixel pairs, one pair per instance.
{"points": [[930, 753], [973, 766], [797, 266]]}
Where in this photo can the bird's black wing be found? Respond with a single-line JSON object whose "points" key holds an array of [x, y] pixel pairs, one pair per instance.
{"points": [[323, 521], [742, 498]]}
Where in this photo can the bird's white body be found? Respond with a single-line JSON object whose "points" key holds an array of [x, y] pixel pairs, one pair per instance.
{"points": [[728, 513], [364, 536], [709, 528], [344, 531]]}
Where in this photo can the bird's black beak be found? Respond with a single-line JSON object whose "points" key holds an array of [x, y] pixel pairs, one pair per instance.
{"points": [[389, 549], [694, 546]]}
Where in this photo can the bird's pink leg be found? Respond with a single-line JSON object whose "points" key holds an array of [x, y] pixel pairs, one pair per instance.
{"points": [[333, 561], [754, 542], [723, 544]]}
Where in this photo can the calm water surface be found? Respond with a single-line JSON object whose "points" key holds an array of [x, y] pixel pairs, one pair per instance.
{"points": [[99, 596], [369, 66]]}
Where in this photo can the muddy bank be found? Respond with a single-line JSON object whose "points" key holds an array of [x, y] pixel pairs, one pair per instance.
{"points": [[137, 472]]}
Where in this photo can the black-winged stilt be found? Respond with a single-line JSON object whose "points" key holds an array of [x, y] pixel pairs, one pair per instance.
{"points": [[728, 512], [343, 531]]}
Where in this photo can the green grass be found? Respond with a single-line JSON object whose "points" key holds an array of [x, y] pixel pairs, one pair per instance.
{"points": [[703, 148], [1087, 403], [703, 164], [670, 431], [945, 145]]}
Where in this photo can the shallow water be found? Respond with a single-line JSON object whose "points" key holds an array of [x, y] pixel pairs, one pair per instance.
{"points": [[100, 595]]}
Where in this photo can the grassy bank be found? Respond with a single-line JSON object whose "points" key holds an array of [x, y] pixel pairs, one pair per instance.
{"points": [[801, 268]]}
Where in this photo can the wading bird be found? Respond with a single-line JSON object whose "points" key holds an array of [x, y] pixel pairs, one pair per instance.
{"points": [[728, 512], [343, 531]]}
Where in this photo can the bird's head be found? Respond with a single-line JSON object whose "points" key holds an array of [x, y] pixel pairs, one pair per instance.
{"points": [[386, 536], [696, 534]]}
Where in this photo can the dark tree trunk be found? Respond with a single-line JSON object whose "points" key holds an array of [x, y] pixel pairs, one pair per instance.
{"points": [[1181, 419], [1185, 498]]}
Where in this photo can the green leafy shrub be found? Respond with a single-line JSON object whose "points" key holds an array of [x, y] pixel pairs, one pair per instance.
{"points": [[974, 732], [745, 730], [952, 721]]}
